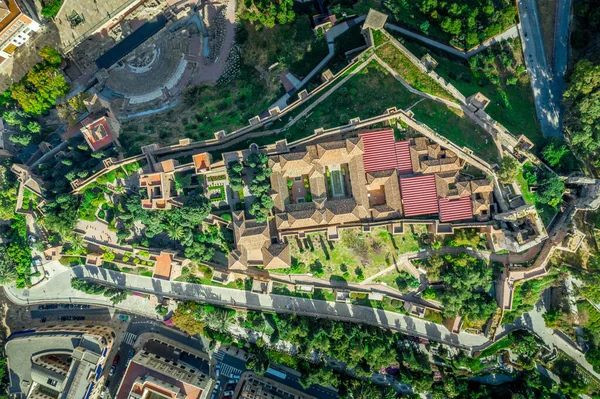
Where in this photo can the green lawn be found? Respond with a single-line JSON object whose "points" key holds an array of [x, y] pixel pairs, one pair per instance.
{"points": [[410, 72], [519, 118], [365, 95], [355, 257], [545, 211], [526, 295], [400, 280], [452, 124]]}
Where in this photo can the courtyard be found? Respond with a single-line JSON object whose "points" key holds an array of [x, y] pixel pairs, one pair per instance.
{"points": [[355, 257]]}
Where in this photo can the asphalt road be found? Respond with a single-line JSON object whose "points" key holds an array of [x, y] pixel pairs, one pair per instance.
{"points": [[547, 94], [58, 289], [55, 314]]}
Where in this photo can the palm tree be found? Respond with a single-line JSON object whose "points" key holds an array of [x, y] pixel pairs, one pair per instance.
{"points": [[176, 233], [77, 244], [218, 319], [8, 274]]}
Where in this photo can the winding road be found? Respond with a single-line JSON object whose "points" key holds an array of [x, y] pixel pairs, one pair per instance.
{"points": [[58, 289], [546, 93]]}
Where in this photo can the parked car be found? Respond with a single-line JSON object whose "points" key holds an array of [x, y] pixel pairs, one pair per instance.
{"points": [[113, 368], [228, 393], [116, 360], [131, 353]]}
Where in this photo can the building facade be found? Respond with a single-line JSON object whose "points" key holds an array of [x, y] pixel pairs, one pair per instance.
{"points": [[15, 28]]}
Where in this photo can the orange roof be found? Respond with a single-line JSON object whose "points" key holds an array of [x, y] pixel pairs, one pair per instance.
{"points": [[136, 370], [168, 165], [151, 179], [201, 161], [14, 13], [98, 134], [162, 268]]}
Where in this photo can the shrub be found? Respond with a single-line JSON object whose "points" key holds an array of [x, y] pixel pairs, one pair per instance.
{"points": [[51, 8]]}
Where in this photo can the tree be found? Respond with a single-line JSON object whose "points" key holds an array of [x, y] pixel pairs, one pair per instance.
{"points": [[582, 98], [51, 8], [8, 194], [554, 152], [509, 169], [161, 310], [268, 13], [320, 376], [20, 138], [37, 92], [50, 55], [259, 363], [199, 252], [550, 190], [8, 272]]}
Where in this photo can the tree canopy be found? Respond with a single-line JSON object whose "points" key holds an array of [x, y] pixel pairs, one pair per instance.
{"points": [[39, 89], [582, 119], [467, 281], [550, 189], [268, 13], [509, 169]]}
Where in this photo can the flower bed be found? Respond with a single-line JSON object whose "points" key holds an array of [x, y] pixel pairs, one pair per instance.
{"points": [[221, 196], [216, 178]]}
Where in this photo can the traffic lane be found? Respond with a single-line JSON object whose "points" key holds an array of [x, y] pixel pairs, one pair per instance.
{"points": [[545, 101], [140, 325], [95, 312], [561, 42], [115, 379]]}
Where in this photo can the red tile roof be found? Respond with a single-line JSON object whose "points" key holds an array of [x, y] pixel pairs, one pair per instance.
{"points": [[455, 209], [403, 162], [379, 150], [100, 125], [419, 195], [163, 265], [382, 152]]}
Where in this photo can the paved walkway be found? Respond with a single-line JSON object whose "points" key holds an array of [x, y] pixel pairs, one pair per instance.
{"points": [[213, 72], [59, 290], [534, 321], [511, 32]]}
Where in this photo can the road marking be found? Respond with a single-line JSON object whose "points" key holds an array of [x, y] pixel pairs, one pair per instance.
{"points": [[230, 371], [130, 338], [219, 355]]}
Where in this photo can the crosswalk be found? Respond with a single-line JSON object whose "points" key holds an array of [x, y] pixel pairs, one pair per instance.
{"points": [[230, 371], [129, 338], [219, 355]]}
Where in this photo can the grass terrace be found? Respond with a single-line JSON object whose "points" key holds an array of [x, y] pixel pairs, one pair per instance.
{"points": [[400, 280], [365, 95], [355, 257], [527, 293], [519, 116], [410, 72], [545, 211], [456, 127]]}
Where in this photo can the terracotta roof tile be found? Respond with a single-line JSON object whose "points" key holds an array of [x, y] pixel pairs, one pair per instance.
{"points": [[419, 196]]}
